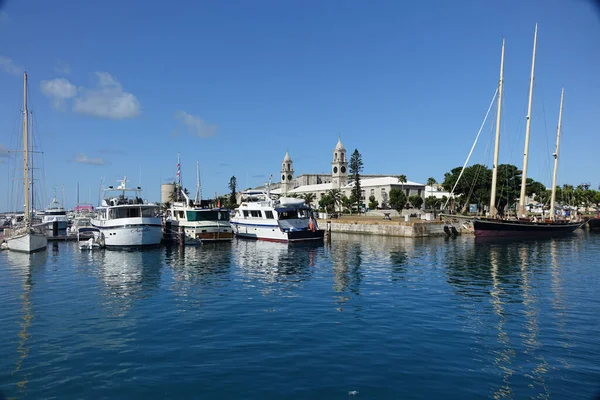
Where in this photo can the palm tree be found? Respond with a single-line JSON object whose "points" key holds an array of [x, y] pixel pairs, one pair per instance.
{"points": [[308, 198], [402, 180], [431, 181], [336, 195]]}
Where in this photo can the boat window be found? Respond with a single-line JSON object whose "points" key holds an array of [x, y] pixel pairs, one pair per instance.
{"points": [[291, 214], [245, 213], [132, 212], [255, 213], [207, 215], [303, 213], [148, 211], [269, 214]]}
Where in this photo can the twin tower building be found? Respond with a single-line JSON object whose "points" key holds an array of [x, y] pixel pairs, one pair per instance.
{"points": [[338, 177]]}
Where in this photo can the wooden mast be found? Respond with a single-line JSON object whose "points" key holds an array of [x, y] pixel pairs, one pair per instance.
{"points": [[493, 210], [521, 211], [553, 197], [25, 150]]}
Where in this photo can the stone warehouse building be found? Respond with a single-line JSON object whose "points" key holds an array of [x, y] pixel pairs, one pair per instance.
{"points": [[319, 184]]}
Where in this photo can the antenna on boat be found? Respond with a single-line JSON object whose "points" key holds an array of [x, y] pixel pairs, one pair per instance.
{"points": [[527, 130], [555, 155]]}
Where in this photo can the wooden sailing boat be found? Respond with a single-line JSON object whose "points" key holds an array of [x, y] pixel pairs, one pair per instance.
{"points": [[25, 238], [523, 226]]}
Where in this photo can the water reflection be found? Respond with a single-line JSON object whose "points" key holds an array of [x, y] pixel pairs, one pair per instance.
{"points": [[206, 265], [128, 275], [276, 262], [28, 265], [505, 354], [531, 340]]}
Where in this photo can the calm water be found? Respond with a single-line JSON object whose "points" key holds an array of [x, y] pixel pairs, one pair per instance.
{"points": [[386, 317]]}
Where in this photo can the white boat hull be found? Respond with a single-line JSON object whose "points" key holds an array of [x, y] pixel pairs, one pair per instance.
{"points": [[273, 233], [130, 232], [29, 242]]}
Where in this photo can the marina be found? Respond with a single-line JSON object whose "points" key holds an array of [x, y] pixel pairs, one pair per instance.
{"points": [[329, 242]]}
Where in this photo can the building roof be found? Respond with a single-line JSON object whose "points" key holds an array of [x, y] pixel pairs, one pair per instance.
{"points": [[384, 181], [339, 145], [365, 183]]}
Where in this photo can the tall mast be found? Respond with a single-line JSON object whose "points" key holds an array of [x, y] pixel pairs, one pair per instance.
{"points": [[527, 131], [31, 163], [198, 188], [493, 210], [553, 197], [178, 171], [25, 149]]}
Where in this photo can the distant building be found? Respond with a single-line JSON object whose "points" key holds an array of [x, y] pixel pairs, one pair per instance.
{"points": [[377, 185]]}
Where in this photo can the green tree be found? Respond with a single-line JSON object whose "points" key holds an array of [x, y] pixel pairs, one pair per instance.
{"points": [[373, 203], [327, 203], [309, 198], [336, 196], [397, 199], [431, 202], [347, 203], [233, 192], [355, 168], [416, 201], [431, 181], [402, 180], [474, 186]]}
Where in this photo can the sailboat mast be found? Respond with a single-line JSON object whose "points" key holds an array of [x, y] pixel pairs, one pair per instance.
{"points": [[493, 210], [527, 131], [25, 149], [198, 189], [32, 207], [553, 197]]}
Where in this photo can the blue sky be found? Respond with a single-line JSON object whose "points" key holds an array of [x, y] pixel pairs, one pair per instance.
{"points": [[119, 87]]}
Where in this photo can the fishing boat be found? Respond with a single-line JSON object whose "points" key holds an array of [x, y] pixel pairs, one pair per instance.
{"points": [[523, 226], [25, 237], [194, 222], [126, 220], [264, 216]]}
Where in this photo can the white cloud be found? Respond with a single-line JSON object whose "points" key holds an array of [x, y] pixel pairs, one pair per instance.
{"points": [[8, 65], [107, 100], [58, 90], [81, 158], [195, 125]]}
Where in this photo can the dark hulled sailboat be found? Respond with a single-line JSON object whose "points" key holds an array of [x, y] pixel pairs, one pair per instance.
{"points": [[494, 226]]}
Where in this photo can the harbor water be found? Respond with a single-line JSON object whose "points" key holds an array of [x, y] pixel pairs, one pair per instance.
{"points": [[359, 317]]}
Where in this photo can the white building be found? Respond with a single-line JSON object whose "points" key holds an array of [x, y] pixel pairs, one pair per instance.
{"points": [[378, 186]]}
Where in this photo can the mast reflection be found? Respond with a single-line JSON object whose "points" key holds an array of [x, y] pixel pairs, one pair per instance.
{"points": [[506, 354], [30, 264]]}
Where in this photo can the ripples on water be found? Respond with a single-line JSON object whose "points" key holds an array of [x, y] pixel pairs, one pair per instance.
{"points": [[385, 317]]}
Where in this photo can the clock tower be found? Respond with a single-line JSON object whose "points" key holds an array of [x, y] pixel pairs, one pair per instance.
{"points": [[339, 167], [287, 174]]}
